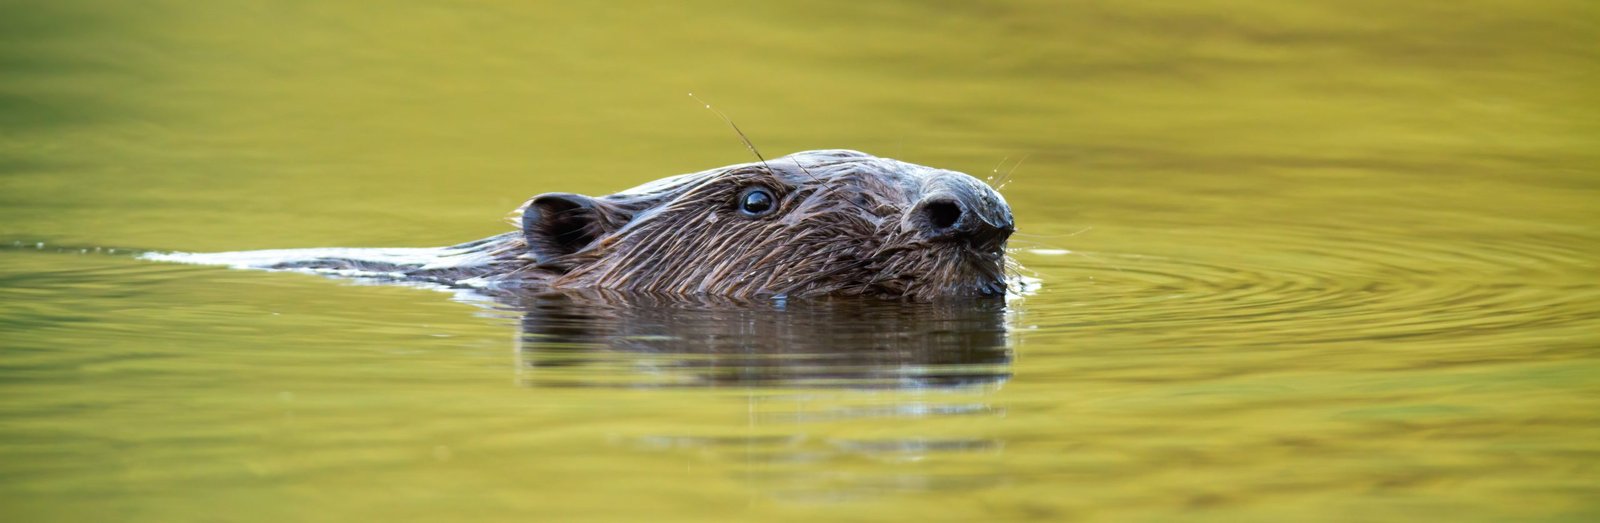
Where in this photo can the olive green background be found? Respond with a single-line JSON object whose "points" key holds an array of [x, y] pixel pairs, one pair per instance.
{"points": [[1298, 261]]}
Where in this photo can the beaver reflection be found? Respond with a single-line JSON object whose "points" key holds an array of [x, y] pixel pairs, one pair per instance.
{"points": [[603, 339]]}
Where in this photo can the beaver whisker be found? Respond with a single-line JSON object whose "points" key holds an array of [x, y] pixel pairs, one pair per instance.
{"points": [[995, 172], [736, 130], [750, 145], [1053, 236], [1000, 184]]}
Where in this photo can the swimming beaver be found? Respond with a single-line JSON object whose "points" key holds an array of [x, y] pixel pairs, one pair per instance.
{"points": [[831, 222]]}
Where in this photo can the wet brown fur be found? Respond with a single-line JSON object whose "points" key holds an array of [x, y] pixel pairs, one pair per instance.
{"points": [[842, 228]]}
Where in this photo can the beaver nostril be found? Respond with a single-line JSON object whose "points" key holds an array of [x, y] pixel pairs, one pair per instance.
{"points": [[942, 214]]}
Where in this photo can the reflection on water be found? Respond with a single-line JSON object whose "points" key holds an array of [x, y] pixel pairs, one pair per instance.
{"points": [[644, 341], [862, 360], [807, 470]]}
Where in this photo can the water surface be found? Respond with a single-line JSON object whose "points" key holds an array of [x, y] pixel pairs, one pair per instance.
{"points": [[1325, 261]]}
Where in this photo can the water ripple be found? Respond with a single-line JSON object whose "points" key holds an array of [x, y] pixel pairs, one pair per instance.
{"points": [[1310, 285]]}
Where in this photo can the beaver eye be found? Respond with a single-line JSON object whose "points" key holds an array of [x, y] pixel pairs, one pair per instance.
{"points": [[756, 201]]}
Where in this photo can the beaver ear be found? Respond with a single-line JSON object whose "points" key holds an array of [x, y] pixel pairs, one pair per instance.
{"points": [[558, 224]]}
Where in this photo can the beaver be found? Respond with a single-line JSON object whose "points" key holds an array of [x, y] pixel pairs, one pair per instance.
{"points": [[813, 223]]}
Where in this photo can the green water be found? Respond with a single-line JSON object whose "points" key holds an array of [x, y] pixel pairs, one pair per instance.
{"points": [[1298, 261]]}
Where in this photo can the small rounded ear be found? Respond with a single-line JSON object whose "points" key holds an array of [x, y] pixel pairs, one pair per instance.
{"points": [[558, 224]]}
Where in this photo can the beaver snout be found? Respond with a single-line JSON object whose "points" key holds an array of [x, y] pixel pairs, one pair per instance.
{"points": [[978, 218]]}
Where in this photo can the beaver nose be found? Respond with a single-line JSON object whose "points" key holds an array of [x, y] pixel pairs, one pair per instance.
{"points": [[948, 217]]}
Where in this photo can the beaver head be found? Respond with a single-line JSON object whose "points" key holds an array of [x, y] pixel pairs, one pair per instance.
{"points": [[813, 223]]}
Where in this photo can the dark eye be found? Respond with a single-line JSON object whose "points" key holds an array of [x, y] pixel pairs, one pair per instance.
{"points": [[756, 201]]}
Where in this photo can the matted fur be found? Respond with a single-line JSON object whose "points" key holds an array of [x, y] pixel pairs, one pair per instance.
{"points": [[844, 226]]}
